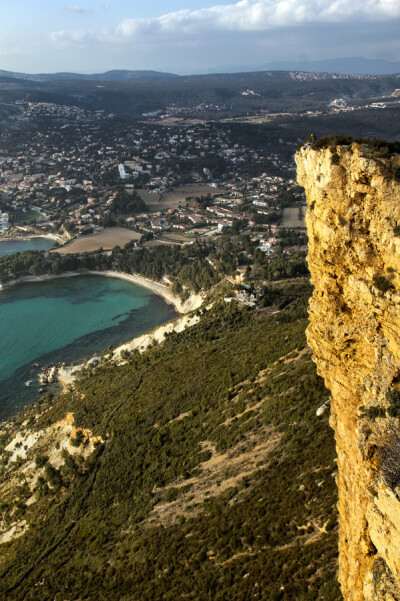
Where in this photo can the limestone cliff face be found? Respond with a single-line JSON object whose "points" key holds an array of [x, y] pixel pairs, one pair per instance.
{"points": [[354, 257]]}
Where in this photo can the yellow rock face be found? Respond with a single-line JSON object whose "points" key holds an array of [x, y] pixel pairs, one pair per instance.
{"points": [[353, 200]]}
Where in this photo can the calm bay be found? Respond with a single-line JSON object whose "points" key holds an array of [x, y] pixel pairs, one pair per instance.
{"points": [[7, 247], [67, 320]]}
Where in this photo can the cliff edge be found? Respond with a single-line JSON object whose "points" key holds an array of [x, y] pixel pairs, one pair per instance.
{"points": [[353, 219]]}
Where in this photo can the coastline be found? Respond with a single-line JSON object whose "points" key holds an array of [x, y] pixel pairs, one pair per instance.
{"points": [[142, 342], [54, 237], [192, 303], [32, 279], [67, 373]]}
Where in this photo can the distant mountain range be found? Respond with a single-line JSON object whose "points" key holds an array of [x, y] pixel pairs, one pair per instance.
{"points": [[132, 94], [116, 75], [357, 66], [353, 66]]}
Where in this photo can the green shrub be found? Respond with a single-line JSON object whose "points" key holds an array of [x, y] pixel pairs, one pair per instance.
{"points": [[253, 523], [77, 441], [171, 495], [41, 460]]}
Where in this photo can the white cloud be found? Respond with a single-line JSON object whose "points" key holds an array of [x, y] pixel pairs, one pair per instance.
{"points": [[243, 16], [259, 15]]}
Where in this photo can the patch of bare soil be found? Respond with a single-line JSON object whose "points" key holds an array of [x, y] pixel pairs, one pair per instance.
{"points": [[305, 351], [217, 474]]}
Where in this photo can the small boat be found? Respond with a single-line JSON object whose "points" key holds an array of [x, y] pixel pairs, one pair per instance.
{"points": [[28, 383]]}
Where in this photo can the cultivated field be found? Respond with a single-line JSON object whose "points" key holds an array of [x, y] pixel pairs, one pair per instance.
{"points": [[107, 239]]}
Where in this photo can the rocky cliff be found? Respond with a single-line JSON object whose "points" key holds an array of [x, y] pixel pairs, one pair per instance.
{"points": [[353, 219]]}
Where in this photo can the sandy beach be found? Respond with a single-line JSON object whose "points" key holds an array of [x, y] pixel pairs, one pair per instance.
{"points": [[28, 236], [193, 302]]}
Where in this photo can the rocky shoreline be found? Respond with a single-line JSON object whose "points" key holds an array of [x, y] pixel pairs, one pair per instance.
{"points": [[67, 374]]}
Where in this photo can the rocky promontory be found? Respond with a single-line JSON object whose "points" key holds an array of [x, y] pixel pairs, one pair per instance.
{"points": [[353, 219]]}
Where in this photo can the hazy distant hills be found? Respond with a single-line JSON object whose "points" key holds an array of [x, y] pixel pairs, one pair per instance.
{"points": [[143, 77], [212, 96], [355, 66], [116, 75], [280, 69], [348, 66]]}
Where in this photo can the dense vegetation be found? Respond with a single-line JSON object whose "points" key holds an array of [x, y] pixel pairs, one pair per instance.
{"points": [[282, 134], [215, 479], [186, 265], [193, 267], [126, 203]]}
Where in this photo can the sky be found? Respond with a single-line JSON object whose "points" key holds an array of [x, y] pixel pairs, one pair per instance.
{"points": [[192, 36]]}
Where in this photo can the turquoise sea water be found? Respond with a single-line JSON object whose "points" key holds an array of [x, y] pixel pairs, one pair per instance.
{"points": [[7, 247], [66, 320]]}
